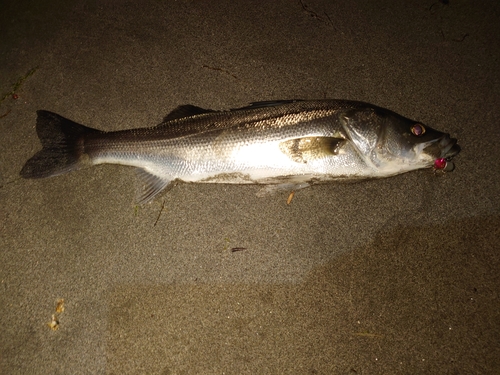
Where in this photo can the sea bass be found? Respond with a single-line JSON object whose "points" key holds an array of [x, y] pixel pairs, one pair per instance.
{"points": [[281, 144]]}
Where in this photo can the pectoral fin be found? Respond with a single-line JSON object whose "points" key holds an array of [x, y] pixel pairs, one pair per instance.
{"points": [[302, 150], [149, 185]]}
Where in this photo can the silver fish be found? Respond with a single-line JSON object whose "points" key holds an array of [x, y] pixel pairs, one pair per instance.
{"points": [[281, 144]]}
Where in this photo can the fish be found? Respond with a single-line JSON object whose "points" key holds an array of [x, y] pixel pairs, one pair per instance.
{"points": [[285, 144]]}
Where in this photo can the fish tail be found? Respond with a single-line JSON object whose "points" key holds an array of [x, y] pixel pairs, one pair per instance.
{"points": [[63, 146]]}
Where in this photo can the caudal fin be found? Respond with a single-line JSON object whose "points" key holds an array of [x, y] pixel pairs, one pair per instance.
{"points": [[63, 146]]}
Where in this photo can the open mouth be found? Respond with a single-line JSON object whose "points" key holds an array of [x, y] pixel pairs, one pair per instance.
{"points": [[452, 150], [449, 149]]}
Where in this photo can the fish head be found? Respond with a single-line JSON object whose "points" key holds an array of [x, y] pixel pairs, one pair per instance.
{"points": [[393, 144]]}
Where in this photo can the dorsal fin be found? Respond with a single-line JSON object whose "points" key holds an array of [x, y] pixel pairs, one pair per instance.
{"points": [[186, 111], [268, 103]]}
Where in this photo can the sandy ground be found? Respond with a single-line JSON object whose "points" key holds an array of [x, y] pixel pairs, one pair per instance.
{"points": [[395, 276]]}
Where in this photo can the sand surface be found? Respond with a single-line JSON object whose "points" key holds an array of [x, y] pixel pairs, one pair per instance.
{"points": [[394, 276]]}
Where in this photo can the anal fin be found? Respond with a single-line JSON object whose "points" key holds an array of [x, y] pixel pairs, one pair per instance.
{"points": [[287, 186], [149, 185]]}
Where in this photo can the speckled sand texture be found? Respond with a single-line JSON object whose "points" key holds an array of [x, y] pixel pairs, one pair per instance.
{"points": [[394, 276]]}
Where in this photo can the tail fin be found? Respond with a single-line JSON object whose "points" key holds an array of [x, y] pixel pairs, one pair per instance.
{"points": [[63, 145]]}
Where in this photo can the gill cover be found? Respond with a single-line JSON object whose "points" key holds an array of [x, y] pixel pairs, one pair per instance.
{"points": [[362, 128]]}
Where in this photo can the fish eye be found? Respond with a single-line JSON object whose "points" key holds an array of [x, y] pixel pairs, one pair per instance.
{"points": [[418, 130]]}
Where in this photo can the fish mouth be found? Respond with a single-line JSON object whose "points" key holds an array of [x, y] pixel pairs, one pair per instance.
{"points": [[449, 147]]}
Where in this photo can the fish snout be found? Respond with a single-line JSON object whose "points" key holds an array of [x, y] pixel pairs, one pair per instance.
{"points": [[449, 147]]}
